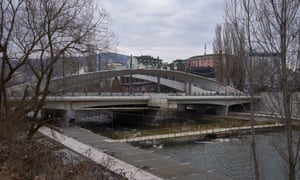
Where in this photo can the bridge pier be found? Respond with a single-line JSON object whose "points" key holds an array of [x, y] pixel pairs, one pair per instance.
{"points": [[158, 84], [222, 110], [130, 84], [181, 107], [188, 88]]}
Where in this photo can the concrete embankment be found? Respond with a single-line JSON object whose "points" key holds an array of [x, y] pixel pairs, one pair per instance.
{"points": [[100, 157], [195, 133], [121, 158]]}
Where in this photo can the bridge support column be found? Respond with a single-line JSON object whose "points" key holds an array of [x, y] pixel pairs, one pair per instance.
{"points": [[158, 84], [181, 107], [130, 84], [99, 90], [222, 110], [188, 88]]}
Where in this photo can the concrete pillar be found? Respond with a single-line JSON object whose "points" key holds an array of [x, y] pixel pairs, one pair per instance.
{"points": [[130, 78], [158, 84], [181, 107], [130, 84], [65, 117], [222, 110], [188, 88], [99, 90]]}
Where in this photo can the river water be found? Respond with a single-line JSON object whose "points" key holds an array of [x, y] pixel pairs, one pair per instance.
{"points": [[230, 157]]}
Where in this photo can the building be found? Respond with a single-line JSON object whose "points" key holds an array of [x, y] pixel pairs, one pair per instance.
{"points": [[226, 68], [105, 61], [203, 65], [205, 61], [147, 62], [138, 85], [178, 65]]}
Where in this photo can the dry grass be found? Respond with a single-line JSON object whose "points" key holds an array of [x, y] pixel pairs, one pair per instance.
{"points": [[21, 159]]}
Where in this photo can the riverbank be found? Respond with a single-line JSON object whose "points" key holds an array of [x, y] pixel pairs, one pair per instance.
{"points": [[203, 123], [43, 158], [200, 134], [124, 159]]}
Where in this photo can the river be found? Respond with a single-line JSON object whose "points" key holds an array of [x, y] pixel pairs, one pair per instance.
{"points": [[230, 157]]}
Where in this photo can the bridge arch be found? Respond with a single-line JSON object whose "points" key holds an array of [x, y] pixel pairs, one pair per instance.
{"points": [[199, 81]]}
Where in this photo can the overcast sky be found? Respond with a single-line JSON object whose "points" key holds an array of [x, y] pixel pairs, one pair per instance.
{"points": [[170, 29]]}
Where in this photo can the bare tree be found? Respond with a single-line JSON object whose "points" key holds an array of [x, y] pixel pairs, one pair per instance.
{"points": [[35, 35], [230, 68], [278, 25], [238, 14], [272, 26], [218, 49]]}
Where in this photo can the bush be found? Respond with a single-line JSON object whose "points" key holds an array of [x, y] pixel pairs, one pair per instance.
{"points": [[33, 160], [36, 159]]}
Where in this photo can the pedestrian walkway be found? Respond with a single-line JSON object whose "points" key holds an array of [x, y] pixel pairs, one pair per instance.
{"points": [[122, 158]]}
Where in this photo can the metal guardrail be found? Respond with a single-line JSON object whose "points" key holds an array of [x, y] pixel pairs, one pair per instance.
{"points": [[144, 94]]}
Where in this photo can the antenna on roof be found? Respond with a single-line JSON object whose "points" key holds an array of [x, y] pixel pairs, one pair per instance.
{"points": [[205, 49]]}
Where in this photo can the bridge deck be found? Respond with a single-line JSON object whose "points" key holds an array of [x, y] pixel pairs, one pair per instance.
{"points": [[157, 165]]}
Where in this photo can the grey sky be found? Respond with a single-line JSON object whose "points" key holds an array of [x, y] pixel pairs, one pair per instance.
{"points": [[170, 29]]}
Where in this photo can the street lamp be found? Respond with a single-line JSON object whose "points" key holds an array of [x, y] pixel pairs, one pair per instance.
{"points": [[99, 69]]}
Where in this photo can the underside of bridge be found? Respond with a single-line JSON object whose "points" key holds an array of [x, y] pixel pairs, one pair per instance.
{"points": [[213, 109], [138, 115]]}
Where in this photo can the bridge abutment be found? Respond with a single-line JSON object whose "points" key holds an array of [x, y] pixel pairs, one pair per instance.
{"points": [[64, 116]]}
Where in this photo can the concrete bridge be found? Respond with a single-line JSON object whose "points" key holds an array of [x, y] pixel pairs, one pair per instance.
{"points": [[197, 90], [189, 83], [64, 106], [150, 100]]}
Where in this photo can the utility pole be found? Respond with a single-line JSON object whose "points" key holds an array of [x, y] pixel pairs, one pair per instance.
{"points": [[130, 78], [99, 69], [298, 55], [63, 70], [158, 76], [63, 65]]}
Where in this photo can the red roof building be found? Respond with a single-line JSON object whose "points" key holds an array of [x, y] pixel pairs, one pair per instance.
{"points": [[204, 61]]}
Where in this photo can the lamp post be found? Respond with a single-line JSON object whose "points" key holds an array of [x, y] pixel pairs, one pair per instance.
{"points": [[63, 65], [130, 78], [99, 69]]}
